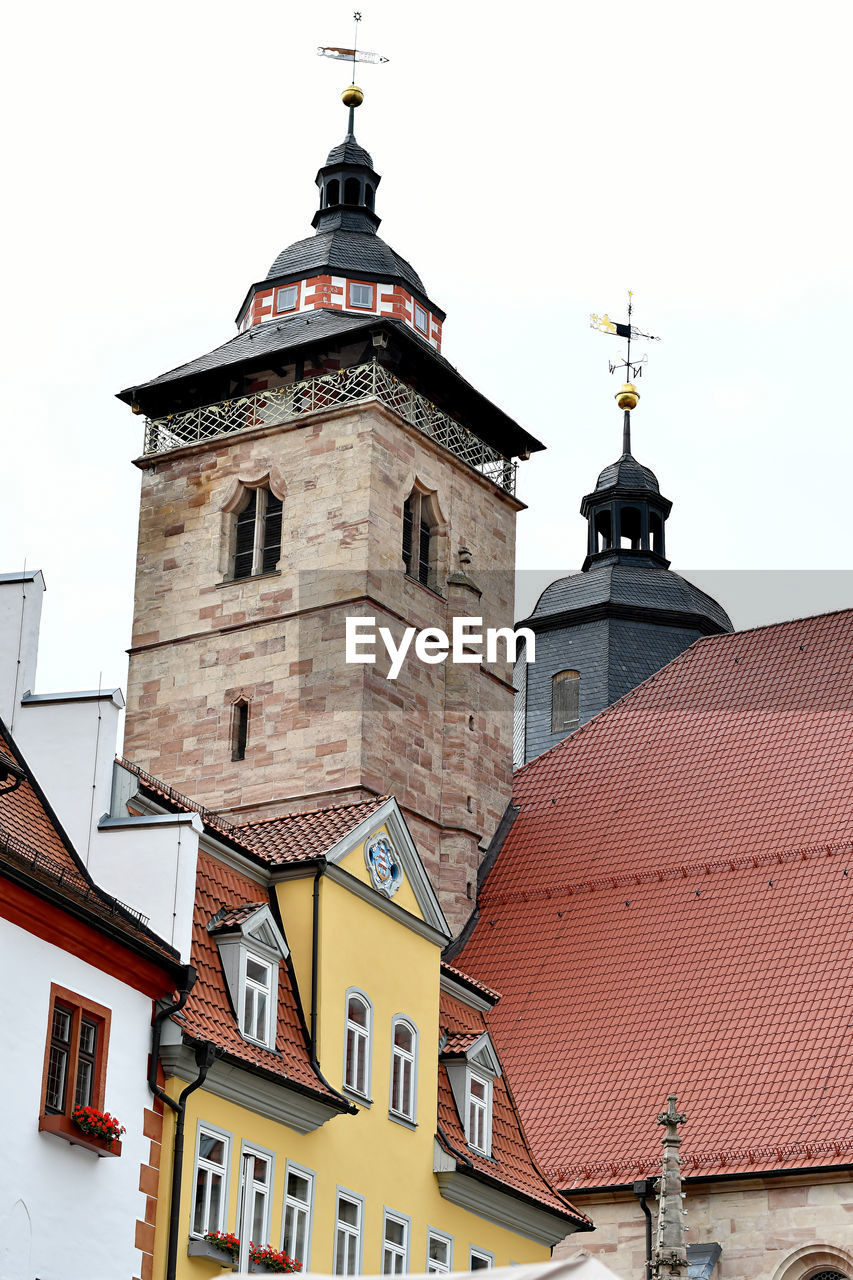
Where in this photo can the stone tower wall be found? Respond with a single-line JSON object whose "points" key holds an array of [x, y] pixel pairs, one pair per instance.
{"points": [[322, 731]]}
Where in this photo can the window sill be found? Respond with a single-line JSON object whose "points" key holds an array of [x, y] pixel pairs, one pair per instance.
{"points": [[410, 577], [250, 577], [356, 1097], [63, 1126], [402, 1120]]}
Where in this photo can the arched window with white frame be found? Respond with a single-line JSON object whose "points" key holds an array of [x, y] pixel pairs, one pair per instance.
{"points": [[359, 1020], [404, 1061]]}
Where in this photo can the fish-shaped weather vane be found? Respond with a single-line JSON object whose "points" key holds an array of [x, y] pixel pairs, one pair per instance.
{"points": [[352, 55]]}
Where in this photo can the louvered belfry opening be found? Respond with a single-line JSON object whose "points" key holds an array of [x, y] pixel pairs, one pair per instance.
{"points": [[257, 546], [244, 551], [271, 551], [417, 537], [565, 699]]}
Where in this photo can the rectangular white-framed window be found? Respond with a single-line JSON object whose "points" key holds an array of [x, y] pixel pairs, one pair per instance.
{"points": [[256, 1173], [439, 1253], [349, 1220], [480, 1260], [421, 318], [257, 999], [210, 1182], [359, 1019], [404, 1059], [478, 1112], [395, 1243], [287, 298], [298, 1216], [361, 295]]}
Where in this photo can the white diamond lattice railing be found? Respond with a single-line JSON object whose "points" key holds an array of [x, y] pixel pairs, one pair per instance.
{"points": [[343, 386]]}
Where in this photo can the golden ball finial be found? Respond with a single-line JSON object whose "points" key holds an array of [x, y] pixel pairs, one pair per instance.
{"points": [[352, 96], [628, 397]]}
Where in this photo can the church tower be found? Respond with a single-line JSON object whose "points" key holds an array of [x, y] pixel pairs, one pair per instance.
{"points": [[326, 464], [602, 631]]}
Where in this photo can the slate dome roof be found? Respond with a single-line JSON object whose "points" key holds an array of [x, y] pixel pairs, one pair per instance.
{"points": [[346, 252], [628, 472], [643, 586], [349, 152]]}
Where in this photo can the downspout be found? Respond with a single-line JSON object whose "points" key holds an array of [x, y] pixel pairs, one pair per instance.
{"points": [[204, 1056], [315, 962], [643, 1188]]}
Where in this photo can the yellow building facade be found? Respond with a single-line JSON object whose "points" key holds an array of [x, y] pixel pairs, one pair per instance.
{"points": [[388, 1141]]}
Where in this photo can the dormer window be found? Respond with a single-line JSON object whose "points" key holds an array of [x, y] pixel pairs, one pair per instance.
{"points": [[361, 295], [472, 1069], [257, 999], [420, 319], [251, 947], [478, 1111], [287, 298]]}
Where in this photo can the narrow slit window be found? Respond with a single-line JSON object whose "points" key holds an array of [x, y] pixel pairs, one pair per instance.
{"points": [[565, 696], [240, 731]]}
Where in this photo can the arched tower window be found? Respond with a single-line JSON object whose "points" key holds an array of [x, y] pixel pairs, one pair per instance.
{"points": [[565, 696], [420, 546], [656, 532], [352, 191], [630, 528], [257, 545], [603, 530], [333, 192]]}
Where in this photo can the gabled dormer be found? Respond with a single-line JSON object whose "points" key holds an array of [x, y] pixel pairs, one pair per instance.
{"points": [[472, 1067], [251, 947]]}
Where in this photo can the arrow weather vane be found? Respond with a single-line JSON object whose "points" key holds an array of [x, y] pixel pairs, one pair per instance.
{"points": [[633, 368], [354, 54]]}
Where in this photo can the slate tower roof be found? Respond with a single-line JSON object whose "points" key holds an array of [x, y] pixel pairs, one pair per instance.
{"points": [[604, 630]]}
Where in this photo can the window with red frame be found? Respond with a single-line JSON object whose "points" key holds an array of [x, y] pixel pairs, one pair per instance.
{"points": [[76, 1053]]}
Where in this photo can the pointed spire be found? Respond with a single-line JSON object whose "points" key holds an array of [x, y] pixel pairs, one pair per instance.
{"points": [[669, 1260]]}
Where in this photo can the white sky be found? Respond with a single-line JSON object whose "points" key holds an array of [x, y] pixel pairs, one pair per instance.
{"points": [[537, 161]]}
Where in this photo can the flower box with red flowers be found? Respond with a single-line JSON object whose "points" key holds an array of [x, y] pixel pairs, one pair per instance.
{"points": [[87, 1127], [264, 1258]]}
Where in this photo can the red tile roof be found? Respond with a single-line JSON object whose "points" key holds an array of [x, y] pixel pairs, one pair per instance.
{"points": [[672, 910], [297, 837], [512, 1163], [293, 837], [33, 843], [208, 1014], [473, 984]]}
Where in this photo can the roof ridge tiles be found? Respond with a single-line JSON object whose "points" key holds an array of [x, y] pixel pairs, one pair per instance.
{"points": [[310, 813], [655, 874]]}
